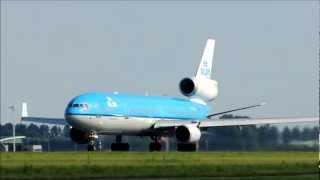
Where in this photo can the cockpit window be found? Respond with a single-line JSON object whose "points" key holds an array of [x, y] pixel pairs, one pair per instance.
{"points": [[82, 105]]}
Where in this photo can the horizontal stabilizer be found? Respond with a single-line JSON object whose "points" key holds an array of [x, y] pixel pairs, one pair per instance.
{"points": [[44, 120], [41, 120]]}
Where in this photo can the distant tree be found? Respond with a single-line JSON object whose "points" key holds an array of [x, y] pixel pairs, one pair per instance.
{"points": [[240, 117], [6, 130], [226, 116], [286, 136], [21, 129], [306, 134], [296, 134], [225, 138], [66, 131], [250, 137], [231, 116], [44, 131], [237, 141], [273, 136], [314, 133], [263, 135], [33, 131], [55, 131]]}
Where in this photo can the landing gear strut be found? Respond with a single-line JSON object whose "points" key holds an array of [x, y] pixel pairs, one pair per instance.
{"points": [[91, 146], [119, 146], [156, 145], [92, 141]]}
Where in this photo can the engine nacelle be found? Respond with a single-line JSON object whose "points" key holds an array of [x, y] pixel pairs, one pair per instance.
{"points": [[202, 87], [79, 136], [188, 133]]}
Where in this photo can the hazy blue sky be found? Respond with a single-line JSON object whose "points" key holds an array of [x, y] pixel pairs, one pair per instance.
{"points": [[265, 51]]}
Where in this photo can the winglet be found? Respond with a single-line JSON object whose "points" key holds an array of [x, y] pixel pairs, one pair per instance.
{"points": [[24, 112], [205, 66]]}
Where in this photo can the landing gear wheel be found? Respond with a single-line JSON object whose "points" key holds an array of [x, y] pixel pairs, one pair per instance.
{"points": [[120, 147], [92, 141], [154, 146], [186, 147]]}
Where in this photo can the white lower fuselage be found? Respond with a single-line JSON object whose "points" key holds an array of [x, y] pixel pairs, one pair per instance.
{"points": [[111, 124]]}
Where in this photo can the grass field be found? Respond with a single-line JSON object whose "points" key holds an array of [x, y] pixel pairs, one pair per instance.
{"points": [[164, 165]]}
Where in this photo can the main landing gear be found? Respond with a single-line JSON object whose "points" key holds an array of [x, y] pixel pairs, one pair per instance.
{"points": [[156, 145], [119, 146], [92, 141]]}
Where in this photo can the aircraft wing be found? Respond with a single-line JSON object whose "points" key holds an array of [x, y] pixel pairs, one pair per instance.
{"points": [[247, 121], [45, 120], [233, 122]]}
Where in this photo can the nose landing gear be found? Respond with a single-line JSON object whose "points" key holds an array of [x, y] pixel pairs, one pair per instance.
{"points": [[92, 141]]}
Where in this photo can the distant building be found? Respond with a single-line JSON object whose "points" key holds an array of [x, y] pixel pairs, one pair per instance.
{"points": [[34, 148]]}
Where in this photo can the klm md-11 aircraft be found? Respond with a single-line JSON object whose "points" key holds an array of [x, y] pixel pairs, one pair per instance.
{"points": [[119, 114]]}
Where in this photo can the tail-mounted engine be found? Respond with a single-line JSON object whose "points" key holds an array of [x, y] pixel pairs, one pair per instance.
{"points": [[201, 87]]}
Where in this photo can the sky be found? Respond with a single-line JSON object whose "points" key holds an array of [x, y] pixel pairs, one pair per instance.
{"points": [[265, 52]]}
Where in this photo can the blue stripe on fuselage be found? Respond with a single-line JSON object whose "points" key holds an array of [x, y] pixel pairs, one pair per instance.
{"points": [[108, 104]]}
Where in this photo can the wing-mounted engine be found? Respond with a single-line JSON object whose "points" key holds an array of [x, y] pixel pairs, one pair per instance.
{"points": [[188, 133], [79, 136], [199, 87]]}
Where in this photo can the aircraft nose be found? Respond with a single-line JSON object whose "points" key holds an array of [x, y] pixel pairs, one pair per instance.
{"points": [[69, 111], [70, 115]]}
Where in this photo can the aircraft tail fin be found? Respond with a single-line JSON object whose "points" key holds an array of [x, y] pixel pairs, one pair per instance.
{"points": [[205, 67]]}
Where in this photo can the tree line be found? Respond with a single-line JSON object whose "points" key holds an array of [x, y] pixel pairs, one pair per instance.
{"points": [[218, 138], [264, 137]]}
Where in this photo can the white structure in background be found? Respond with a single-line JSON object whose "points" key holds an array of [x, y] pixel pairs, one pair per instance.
{"points": [[35, 148], [4, 142]]}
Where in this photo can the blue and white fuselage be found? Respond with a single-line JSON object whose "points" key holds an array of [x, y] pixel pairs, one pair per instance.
{"points": [[110, 113]]}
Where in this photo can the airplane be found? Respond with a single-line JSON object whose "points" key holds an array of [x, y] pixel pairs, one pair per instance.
{"points": [[100, 113]]}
